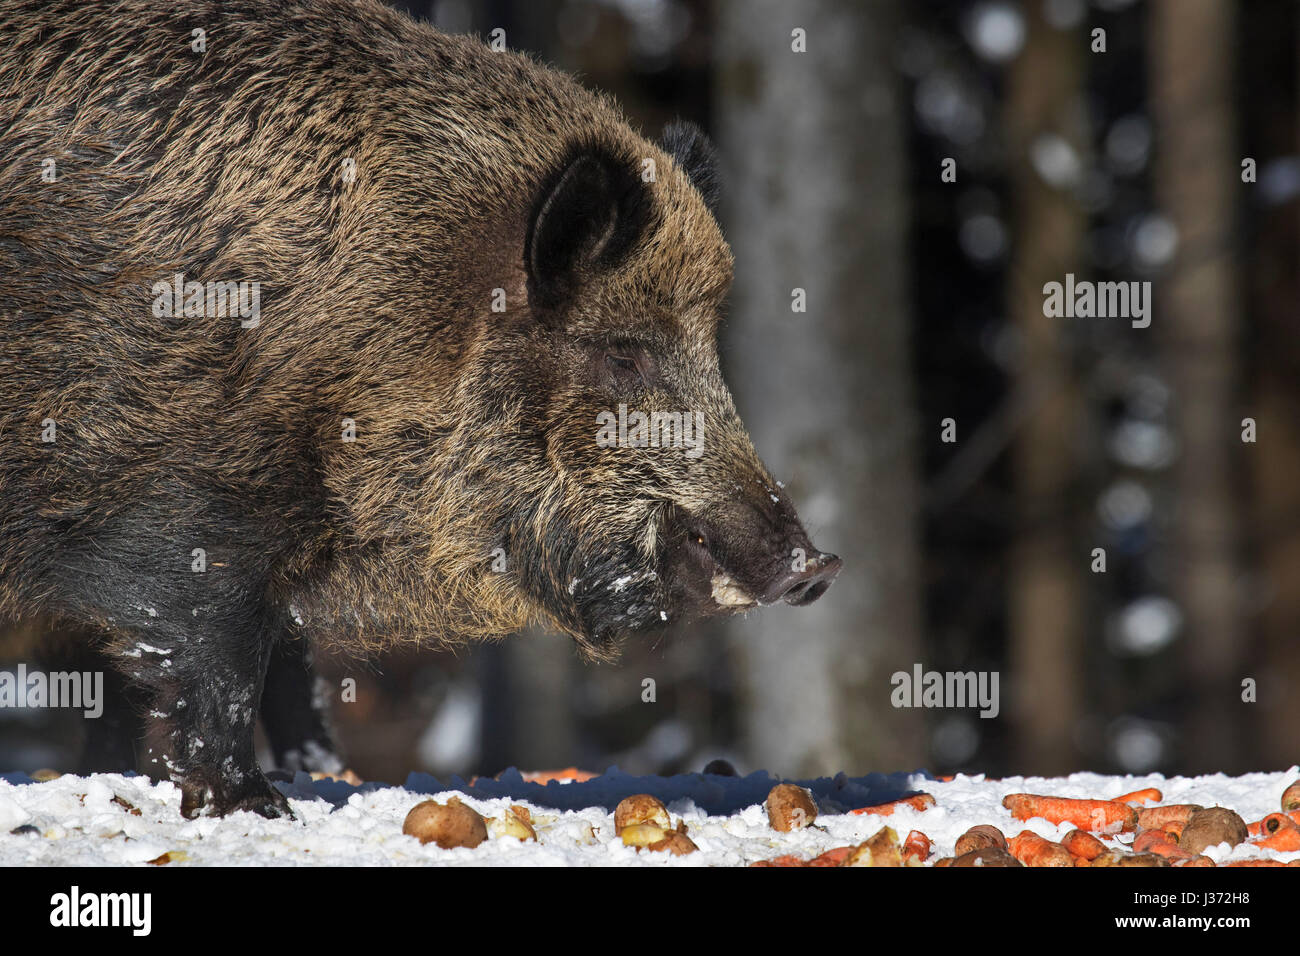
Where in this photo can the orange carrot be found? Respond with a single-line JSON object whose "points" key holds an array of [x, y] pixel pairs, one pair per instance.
{"points": [[1280, 821], [1032, 850], [1175, 830], [921, 801], [1285, 838], [1103, 816], [831, 857], [1158, 842], [568, 773], [1149, 795], [1147, 838], [917, 844], [1258, 827], [1150, 838], [1159, 818], [1084, 844]]}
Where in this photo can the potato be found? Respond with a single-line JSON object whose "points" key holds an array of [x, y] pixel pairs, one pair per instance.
{"points": [[1291, 797], [1211, 827], [516, 822], [986, 856], [448, 826], [979, 838], [644, 834], [881, 850], [676, 843], [640, 808], [790, 807]]}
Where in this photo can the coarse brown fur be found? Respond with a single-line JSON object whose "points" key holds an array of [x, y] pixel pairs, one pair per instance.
{"points": [[474, 429]]}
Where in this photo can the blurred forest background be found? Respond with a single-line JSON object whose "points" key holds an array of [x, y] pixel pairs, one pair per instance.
{"points": [[1118, 155]]}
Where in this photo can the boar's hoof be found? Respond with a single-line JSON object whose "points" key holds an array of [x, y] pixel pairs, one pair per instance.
{"points": [[200, 798]]}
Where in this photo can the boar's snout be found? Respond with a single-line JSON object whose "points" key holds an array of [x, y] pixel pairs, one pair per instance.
{"points": [[803, 587], [749, 553]]}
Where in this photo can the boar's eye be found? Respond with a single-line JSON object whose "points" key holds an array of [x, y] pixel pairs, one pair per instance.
{"points": [[624, 367], [628, 366]]}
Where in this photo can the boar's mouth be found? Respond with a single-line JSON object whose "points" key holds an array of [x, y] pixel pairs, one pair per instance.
{"points": [[703, 569]]}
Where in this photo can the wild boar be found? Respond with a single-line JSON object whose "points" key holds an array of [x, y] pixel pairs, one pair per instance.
{"points": [[317, 325]]}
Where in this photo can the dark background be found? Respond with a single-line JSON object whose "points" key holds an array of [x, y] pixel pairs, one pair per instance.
{"points": [[925, 303]]}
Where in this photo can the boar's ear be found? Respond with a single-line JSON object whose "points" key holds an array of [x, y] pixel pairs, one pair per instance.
{"points": [[690, 148], [586, 218]]}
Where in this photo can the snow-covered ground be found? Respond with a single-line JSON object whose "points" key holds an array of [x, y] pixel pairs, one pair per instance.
{"points": [[77, 820]]}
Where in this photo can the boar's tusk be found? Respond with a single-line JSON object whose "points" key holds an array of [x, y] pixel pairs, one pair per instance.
{"points": [[728, 593]]}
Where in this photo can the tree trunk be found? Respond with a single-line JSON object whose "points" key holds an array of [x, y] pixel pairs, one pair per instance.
{"points": [[814, 198], [1045, 98], [1196, 175]]}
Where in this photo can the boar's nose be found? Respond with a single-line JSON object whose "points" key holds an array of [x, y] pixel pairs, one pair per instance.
{"points": [[803, 587]]}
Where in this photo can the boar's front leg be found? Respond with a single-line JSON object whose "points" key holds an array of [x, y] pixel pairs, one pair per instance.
{"points": [[204, 689]]}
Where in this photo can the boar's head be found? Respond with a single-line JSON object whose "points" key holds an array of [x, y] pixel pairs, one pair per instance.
{"points": [[653, 506]]}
